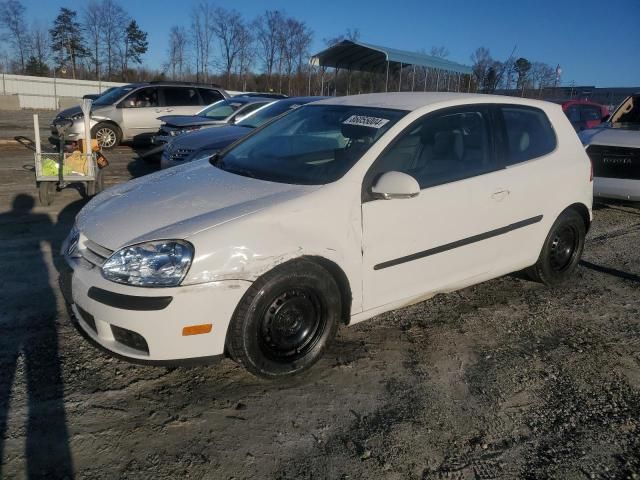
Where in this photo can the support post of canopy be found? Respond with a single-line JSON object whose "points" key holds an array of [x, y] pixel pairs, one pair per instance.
{"points": [[335, 83], [469, 84], [386, 85], [349, 83], [438, 82], [413, 79]]}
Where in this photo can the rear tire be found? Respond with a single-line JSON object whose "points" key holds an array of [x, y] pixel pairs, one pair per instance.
{"points": [[108, 135], [286, 320], [46, 190], [561, 251]]}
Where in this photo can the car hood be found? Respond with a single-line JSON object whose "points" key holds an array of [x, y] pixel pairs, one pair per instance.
{"points": [[188, 120], [70, 112], [611, 136], [177, 203], [211, 138]]}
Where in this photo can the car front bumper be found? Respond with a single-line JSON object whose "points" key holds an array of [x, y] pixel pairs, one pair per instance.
{"points": [[617, 188], [135, 324]]}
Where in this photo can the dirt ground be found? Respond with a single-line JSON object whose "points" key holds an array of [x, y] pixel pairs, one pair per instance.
{"points": [[507, 379]]}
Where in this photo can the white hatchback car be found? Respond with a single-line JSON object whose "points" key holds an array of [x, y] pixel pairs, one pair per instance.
{"points": [[336, 212]]}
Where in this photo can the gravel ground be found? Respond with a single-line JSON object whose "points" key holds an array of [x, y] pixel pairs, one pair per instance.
{"points": [[21, 123], [507, 379]]}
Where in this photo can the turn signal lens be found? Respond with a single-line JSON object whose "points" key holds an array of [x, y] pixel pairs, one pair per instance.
{"points": [[197, 329]]}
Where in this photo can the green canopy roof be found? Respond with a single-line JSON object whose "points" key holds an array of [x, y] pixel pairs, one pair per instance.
{"points": [[373, 58]]}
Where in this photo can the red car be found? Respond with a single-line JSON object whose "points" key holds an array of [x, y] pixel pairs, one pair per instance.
{"points": [[584, 114]]}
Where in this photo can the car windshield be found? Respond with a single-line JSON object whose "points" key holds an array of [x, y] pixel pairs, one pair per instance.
{"points": [[110, 97], [312, 145], [221, 110], [267, 112]]}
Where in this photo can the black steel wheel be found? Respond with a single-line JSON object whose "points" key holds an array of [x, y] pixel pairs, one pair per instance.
{"points": [[291, 325], [561, 251], [285, 320]]}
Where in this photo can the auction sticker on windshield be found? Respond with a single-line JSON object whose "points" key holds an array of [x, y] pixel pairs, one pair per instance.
{"points": [[364, 121]]}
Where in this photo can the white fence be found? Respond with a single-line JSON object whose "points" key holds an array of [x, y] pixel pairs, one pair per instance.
{"points": [[46, 92]]}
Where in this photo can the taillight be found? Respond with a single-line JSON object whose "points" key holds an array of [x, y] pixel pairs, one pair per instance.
{"points": [[591, 173]]}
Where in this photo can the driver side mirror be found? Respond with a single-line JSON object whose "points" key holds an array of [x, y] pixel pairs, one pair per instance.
{"points": [[395, 185]]}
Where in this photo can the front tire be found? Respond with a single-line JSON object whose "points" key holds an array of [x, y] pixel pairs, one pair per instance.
{"points": [[286, 320], [561, 251], [107, 135]]}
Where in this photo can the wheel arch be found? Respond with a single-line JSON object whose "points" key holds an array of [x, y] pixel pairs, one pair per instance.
{"points": [[341, 279], [583, 211]]}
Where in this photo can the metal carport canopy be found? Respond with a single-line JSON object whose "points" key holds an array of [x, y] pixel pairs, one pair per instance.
{"points": [[365, 57]]}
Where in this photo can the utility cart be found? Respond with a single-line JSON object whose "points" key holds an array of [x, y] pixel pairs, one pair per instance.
{"points": [[56, 170]]}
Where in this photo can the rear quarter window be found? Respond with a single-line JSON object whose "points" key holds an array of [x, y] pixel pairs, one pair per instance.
{"points": [[529, 133], [210, 96]]}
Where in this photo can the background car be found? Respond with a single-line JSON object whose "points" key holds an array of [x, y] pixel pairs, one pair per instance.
{"points": [[198, 144], [131, 112], [93, 96], [228, 111], [614, 149], [584, 114]]}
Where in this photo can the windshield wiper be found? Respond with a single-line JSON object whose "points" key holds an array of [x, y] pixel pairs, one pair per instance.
{"points": [[215, 160]]}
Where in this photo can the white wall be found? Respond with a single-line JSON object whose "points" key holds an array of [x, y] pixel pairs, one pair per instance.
{"points": [[45, 92]]}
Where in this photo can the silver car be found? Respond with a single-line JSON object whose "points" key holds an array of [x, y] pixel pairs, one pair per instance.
{"points": [[131, 112]]}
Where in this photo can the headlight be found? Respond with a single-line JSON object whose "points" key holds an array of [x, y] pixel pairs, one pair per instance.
{"points": [[77, 116], [161, 263]]}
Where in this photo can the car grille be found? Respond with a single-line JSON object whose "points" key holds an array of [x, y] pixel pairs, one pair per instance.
{"points": [[615, 162], [177, 154], [93, 253]]}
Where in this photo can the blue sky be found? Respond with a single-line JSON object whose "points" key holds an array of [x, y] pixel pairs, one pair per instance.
{"points": [[596, 42]]}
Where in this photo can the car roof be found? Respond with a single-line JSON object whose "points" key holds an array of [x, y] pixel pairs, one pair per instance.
{"points": [[301, 99], [244, 99], [416, 100]]}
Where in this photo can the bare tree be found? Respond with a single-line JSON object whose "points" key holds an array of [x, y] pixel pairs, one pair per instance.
{"points": [[39, 44], [268, 37], [202, 18], [92, 16], [12, 21], [178, 42], [352, 34], [113, 24], [230, 29], [440, 52], [542, 76], [246, 56]]}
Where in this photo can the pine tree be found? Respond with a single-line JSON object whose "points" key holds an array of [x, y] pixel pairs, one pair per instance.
{"points": [[67, 40], [135, 45]]}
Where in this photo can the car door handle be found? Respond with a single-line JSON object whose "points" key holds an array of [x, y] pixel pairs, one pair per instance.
{"points": [[500, 195]]}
